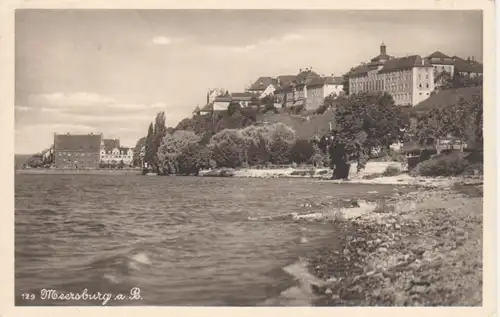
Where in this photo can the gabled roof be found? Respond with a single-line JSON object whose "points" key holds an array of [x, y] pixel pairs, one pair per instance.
{"points": [[438, 54], [75, 142], [197, 109], [306, 77], [222, 99], [241, 96], [262, 83], [380, 57], [285, 80], [402, 63], [328, 80], [359, 70]]}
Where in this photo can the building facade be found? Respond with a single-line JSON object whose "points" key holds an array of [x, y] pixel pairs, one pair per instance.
{"points": [[263, 86], [441, 63], [322, 87], [77, 151], [409, 79], [112, 153]]}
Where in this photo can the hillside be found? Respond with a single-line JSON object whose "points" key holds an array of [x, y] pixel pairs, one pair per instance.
{"points": [[306, 125], [447, 97]]}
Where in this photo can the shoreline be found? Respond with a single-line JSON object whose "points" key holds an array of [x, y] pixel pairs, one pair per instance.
{"points": [[48, 171], [418, 249], [371, 175]]}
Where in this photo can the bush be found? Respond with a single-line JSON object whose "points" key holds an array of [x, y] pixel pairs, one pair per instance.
{"points": [[391, 170], [443, 165], [302, 151]]}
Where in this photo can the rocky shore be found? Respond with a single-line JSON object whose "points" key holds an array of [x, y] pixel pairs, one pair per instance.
{"points": [[418, 249]]}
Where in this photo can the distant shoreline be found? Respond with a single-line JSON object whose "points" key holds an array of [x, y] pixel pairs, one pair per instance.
{"points": [[50, 171]]}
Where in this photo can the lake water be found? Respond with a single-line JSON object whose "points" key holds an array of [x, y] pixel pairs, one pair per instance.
{"points": [[180, 240]]}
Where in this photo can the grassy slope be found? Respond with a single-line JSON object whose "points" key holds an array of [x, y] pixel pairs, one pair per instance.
{"points": [[306, 126], [446, 98]]}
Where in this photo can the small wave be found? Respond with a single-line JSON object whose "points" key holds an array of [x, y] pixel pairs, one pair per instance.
{"points": [[111, 278], [332, 214], [301, 294], [141, 258]]}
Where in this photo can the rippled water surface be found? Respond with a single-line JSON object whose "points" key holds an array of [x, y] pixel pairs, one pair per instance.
{"points": [[180, 240]]}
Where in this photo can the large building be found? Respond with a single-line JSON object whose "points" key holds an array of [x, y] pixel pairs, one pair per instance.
{"points": [[409, 79], [77, 151], [221, 103], [307, 89], [112, 153], [443, 63], [263, 86]]}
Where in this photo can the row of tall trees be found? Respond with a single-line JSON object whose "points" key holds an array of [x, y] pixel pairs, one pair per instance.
{"points": [[183, 152], [156, 132]]}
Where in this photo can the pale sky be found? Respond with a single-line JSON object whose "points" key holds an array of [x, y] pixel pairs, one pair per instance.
{"points": [[111, 71]]}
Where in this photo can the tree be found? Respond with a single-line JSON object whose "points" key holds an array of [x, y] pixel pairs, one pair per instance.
{"points": [[330, 102], [233, 108], [443, 80], [160, 130], [463, 119], [281, 140], [35, 161], [173, 147], [192, 158], [302, 151], [149, 155], [229, 148], [364, 122], [345, 83], [137, 151]]}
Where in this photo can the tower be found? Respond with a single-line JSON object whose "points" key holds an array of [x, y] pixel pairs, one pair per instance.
{"points": [[383, 49]]}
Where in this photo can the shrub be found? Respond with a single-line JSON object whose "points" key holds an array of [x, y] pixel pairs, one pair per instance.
{"points": [[443, 165], [391, 170], [302, 151]]}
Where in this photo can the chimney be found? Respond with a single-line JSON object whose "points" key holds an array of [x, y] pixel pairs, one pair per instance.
{"points": [[383, 49]]}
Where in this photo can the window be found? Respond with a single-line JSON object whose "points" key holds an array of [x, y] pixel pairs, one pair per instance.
{"points": [[420, 85], [427, 85]]}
